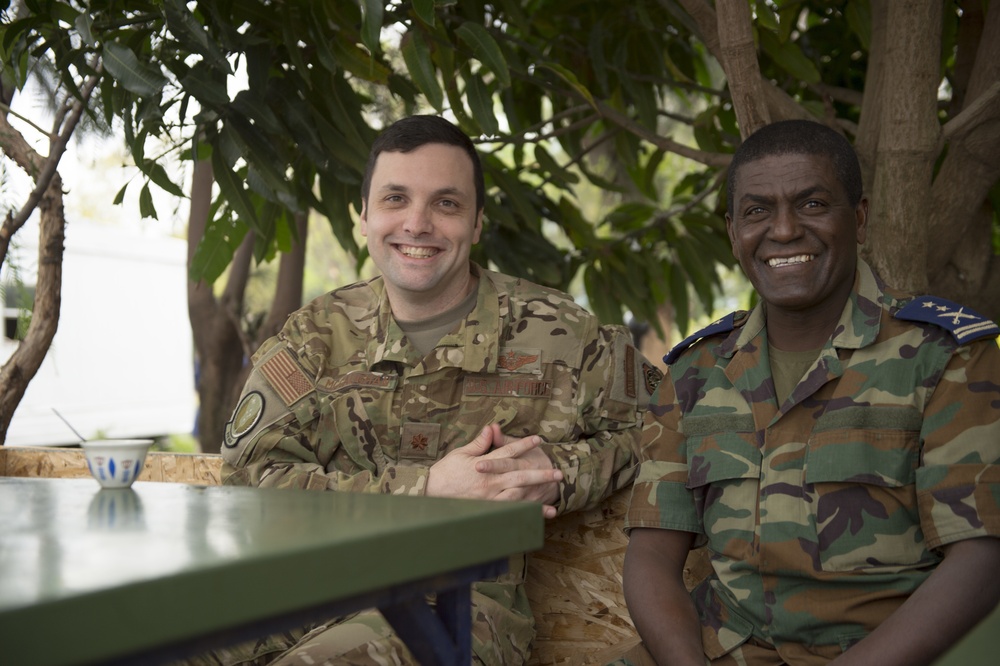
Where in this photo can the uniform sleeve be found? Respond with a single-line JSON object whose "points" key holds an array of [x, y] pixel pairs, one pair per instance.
{"points": [[958, 481], [281, 436], [616, 384], [660, 497]]}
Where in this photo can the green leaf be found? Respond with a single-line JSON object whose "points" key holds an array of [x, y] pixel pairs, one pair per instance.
{"points": [[595, 50], [560, 175], [215, 249], [192, 35], [134, 76], [424, 9], [677, 283], [764, 16], [600, 292], [485, 49], [146, 207], [83, 23], [371, 24], [629, 216], [359, 62], [789, 57], [417, 56], [232, 189], [158, 175], [481, 105], [570, 78], [859, 18], [120, 197]]}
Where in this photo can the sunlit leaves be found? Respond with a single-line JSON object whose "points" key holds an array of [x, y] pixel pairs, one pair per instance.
{"points": [[485, 49], [137, 77], [417, 55]]}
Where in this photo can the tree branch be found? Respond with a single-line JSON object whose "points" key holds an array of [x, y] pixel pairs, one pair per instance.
{"points": [[618, 118], [986, 69], [7, 111], [739, 60], [985, 109], [869, 123], [57, 147]]}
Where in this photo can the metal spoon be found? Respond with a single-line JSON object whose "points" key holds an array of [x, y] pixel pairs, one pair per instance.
{"points": [[68, 425]]}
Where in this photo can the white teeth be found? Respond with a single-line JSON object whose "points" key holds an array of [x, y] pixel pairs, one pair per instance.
{"points": [[787, 261], [417, 252]]}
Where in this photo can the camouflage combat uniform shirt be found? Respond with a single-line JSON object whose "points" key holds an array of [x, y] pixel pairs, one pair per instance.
{"points": [[823, 514], [340, 400]]}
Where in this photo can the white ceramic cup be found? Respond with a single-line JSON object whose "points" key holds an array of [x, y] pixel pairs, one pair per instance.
{"points": [[116, 463]]}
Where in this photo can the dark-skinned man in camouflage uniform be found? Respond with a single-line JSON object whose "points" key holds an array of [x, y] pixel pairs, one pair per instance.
{"points": [[836, 448], [437, 378]]}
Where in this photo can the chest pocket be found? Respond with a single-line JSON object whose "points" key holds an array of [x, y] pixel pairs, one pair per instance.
{"points": [[724, 477], [860, 484], [352, 425], [524, 403]]}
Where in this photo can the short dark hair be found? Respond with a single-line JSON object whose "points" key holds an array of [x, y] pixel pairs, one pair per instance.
{"points": [[799, 137], [412, 132]]}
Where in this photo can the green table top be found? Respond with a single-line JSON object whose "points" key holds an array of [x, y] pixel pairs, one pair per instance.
{"points": [[80, 566]]}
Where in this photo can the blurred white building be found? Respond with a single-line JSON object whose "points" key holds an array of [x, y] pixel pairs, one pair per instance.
{"points": [[121, 363]]}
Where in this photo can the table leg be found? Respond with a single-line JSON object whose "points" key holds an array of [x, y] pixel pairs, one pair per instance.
{"points": [[438, 634]]}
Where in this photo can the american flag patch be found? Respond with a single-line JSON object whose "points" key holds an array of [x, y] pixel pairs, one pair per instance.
{"points": [[286, 377]]}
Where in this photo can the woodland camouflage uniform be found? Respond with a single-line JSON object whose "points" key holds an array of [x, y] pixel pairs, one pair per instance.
{"points": [[822, 515], [339, 400]]}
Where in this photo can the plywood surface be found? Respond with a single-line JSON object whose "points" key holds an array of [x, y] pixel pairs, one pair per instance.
{"points": [[201, 469]]}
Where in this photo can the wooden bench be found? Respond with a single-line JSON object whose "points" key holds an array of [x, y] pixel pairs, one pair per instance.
{"points": [[574, 583]]}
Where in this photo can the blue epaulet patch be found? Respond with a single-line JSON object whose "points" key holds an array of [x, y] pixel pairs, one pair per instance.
{"points": [[723, 325], [963, 323]]}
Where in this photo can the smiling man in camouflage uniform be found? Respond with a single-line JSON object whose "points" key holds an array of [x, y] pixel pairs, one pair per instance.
{"points": [[836, 448], [438, 378]]}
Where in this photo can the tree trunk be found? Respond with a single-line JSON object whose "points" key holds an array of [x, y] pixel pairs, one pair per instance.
{"points": [[907, 144], [962, 265], [222, 348], [21, 367], [217, 341]]}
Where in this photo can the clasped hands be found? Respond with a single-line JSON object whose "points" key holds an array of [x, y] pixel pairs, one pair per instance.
{"points": [[497, 467]]}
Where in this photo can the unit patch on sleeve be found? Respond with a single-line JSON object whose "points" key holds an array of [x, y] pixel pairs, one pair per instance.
{"points": [[246, 416]]}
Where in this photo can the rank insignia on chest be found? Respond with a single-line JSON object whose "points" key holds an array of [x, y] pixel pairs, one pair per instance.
{"points": [[420, 441]]}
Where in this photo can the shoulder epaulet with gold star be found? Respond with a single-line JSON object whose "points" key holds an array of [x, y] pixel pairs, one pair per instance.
{"points": [[965, 324]]}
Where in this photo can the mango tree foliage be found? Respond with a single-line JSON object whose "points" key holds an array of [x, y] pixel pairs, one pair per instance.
{"points": [[642, 102]]}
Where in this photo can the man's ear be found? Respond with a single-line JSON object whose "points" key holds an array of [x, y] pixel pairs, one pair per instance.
{"points": [[861, 216], [479, 227], [732, 236], [364, 218]]}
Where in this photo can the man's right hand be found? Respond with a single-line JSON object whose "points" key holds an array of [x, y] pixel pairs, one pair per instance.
{"points": [[512, 471]]}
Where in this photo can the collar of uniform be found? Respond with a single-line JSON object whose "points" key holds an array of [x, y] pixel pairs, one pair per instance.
{"points": [[862, 317], [858, 326], [386, 341], [478, 335]]}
